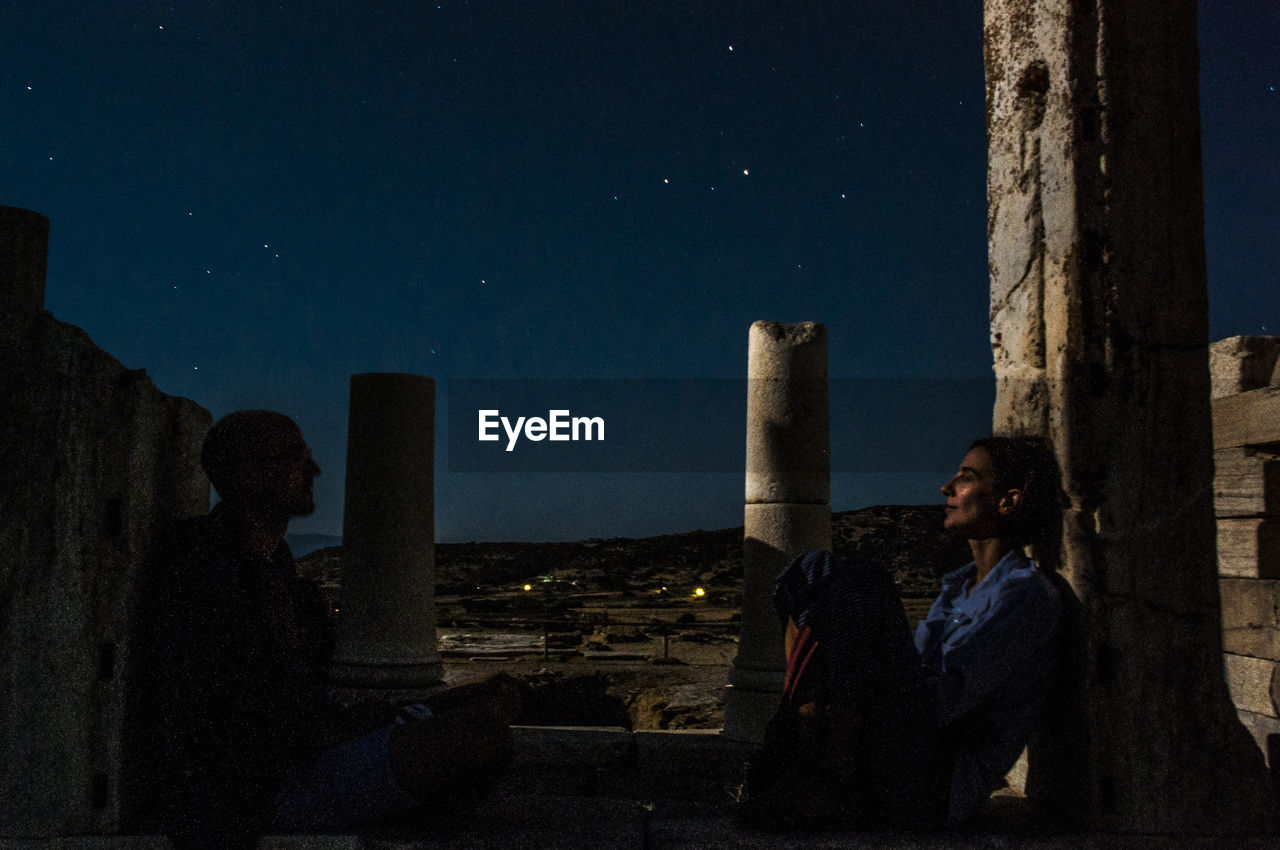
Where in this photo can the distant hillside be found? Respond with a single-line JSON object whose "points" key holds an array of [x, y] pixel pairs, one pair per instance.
{"points": [[907, 539], [305, 544]]}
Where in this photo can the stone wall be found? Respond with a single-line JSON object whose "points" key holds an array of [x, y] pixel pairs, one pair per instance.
{"points": [[1246, 490], [92, 456]]}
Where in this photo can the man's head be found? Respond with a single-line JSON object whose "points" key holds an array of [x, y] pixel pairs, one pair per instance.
{"points": [[259, 457]]}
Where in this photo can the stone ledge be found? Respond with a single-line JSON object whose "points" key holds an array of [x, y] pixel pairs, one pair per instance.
{"points": [[1249, 419], [1251, 617], [89, 842], [601, 745]]}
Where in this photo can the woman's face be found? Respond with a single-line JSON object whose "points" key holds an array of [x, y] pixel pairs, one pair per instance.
{"points": [[973, 503]]}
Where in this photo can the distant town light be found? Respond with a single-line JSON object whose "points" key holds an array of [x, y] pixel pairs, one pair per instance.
{"points": [[528, 587], [699, 592]]}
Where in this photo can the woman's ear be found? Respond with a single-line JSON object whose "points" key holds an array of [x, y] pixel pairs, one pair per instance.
{"points": [[1009, 501]]}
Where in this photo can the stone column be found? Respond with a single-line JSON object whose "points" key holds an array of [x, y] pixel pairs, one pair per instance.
{"points": [[387, 631], [1099, 334], [24, 253], [787, 503]]}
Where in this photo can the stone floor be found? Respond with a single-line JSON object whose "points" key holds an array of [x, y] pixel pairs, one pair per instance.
{"points": [[591, 788]]}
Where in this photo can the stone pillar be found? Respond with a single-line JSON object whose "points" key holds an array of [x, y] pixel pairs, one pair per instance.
{"points": [[387, 631], [24, 252], [787, 503], [1099, 332]]}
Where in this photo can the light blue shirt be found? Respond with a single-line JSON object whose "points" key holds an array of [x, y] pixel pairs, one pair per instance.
{"points": [[989, 657]]}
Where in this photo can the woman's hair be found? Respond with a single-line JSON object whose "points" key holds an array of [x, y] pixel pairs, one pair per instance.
{"points": [[1028, 464]]}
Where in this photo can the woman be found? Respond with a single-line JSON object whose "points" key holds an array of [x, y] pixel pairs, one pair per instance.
{"points": [[876, 727]]}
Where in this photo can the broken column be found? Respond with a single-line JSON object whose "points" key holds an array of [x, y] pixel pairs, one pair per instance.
{"points": [[386, 625], [788, 508], [1099, 330]]}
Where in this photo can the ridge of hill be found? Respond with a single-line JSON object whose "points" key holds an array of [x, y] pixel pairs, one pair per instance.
{"points": [[907, 539]]}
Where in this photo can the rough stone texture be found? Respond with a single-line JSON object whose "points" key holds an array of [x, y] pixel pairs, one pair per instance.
{"points": [[1246, 483], [1251, 617], [1249, 547], [1249, 419], [787, 414], [787, 512], [1241, 363], [387, 629], [92, 458], [1254, 684], [1099, 335]]}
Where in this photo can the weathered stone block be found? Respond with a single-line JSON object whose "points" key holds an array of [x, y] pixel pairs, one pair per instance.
{"points": [[612, 747], [1251, 617], [1248, 419], [571, 760], [1246, 483], [1254, 683], [1249, 547], [1241, 363]]}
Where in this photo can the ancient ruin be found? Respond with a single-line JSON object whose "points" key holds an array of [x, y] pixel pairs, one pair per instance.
{"points": [[1099, 333], [1246, 495], [1099, 328], [92, 458], [387, 632], [787, 503]]}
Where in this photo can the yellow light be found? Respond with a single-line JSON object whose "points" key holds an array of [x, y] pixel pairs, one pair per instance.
{"points": [[528, 587], [699, 592]]}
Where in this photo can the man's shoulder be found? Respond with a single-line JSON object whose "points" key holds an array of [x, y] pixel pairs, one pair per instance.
{"points": [[189, 551], [182, 536]]}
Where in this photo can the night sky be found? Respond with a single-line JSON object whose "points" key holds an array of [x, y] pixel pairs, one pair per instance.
{"points": [[253, 201]]}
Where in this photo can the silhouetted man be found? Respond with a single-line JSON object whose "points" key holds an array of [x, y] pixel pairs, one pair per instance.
{"points": [[242, 735]]}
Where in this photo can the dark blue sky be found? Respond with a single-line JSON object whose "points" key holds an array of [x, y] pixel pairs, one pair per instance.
{"points": [[253, 201]]}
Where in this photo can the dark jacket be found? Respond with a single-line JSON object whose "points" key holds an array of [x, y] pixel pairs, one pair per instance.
{"points": [[229, 654]]}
